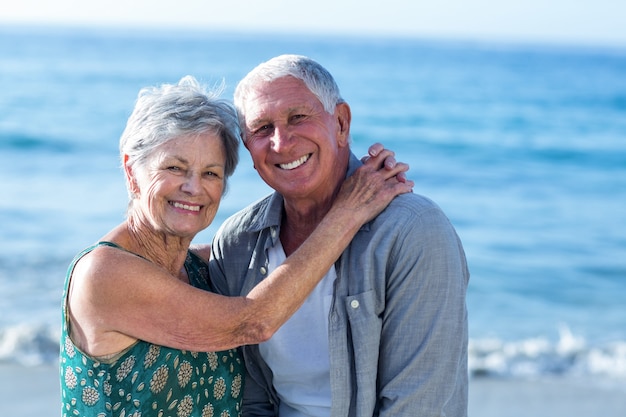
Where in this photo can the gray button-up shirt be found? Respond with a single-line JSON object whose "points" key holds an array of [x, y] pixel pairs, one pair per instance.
{"points": [[398, 321]]}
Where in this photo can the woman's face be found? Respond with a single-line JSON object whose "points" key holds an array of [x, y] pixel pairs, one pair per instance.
{"points": [[180, 186]]}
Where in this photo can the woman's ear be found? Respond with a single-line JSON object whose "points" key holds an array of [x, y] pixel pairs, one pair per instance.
{"points": [[344, 117], [130, 177]]}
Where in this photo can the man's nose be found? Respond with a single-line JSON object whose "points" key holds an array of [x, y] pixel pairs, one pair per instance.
{"points": [[281, 139]]}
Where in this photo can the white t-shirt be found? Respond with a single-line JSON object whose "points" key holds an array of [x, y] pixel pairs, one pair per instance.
{"points": [[298, 351]]}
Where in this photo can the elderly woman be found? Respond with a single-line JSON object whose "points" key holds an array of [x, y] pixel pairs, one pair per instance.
{"points": [[137, 312]]}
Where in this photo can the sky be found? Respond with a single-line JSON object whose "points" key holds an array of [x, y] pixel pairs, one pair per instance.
{"points": [[593, 22]]}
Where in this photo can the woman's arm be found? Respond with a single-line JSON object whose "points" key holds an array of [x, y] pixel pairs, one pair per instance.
{"points": [[353, 207], [119, 297]]}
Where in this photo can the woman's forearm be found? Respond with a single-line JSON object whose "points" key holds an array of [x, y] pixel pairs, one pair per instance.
{"points": [[275, 299], [361, 198]]}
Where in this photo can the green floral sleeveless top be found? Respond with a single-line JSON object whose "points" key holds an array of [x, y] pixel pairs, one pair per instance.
{"points": [[150, 380]]}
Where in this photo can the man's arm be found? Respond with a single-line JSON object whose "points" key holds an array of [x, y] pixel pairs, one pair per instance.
{"points": [[423, 352]]}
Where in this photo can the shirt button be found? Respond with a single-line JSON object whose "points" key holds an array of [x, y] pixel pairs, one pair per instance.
{"points": [[263, 270], [354, 304]]}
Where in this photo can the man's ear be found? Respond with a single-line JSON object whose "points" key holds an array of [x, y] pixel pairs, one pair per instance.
{"points": [[344, 117]]}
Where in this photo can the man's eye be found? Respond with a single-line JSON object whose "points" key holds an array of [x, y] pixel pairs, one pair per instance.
{"points": [[263, 130]]}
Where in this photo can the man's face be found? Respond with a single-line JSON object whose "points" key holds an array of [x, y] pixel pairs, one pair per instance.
{"points": [[298, 148]]}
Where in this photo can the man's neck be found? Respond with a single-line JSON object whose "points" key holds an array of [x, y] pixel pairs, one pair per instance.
{"points": [[302, 215], [299, 221]]}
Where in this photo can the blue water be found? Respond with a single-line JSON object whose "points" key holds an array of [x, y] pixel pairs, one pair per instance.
{"points": [[523, 146]]}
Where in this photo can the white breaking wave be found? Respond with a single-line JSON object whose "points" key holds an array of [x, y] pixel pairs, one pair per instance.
{"points": [[535, 357], [29, 345], [34, 345]]}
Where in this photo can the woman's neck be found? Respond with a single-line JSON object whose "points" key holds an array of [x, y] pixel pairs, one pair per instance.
{"points": [[167, 251]]}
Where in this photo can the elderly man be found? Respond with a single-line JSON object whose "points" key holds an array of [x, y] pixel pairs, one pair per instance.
{"points": [[385, 332]]}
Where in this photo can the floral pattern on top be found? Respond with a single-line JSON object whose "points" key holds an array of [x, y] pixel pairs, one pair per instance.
{"points": [[150, 380]]}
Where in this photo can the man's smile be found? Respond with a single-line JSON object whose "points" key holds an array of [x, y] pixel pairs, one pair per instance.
{"points": [[295, 164]]}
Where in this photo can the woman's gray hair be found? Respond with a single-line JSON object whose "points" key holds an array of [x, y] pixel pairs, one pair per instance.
{"points": [[170, 111], [317, 79]]}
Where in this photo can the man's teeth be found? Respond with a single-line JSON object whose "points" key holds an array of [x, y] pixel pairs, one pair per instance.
{"points": [[295, 164], [186, 207]]}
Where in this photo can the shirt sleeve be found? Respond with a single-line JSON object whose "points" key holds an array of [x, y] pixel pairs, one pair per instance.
{"points": [[423, 349]]}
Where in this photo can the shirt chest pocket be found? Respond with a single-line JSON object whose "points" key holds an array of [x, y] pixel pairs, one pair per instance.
{"points": [[365, 325], [361, 311]]}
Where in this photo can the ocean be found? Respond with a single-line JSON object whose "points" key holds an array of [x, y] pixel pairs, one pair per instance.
{"points": [[522, 145]]}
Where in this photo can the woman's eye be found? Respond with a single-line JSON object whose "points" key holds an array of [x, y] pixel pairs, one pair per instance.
{"points": [[212, 174], [174, 169]]}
